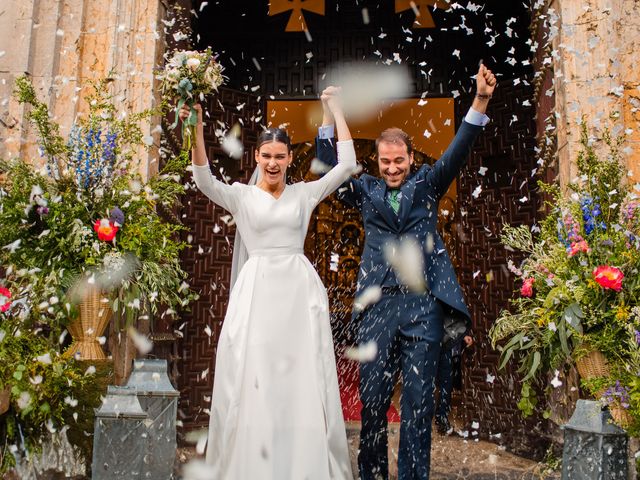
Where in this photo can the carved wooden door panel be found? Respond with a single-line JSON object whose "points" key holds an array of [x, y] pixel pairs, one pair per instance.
{"points": [[506, 150]]}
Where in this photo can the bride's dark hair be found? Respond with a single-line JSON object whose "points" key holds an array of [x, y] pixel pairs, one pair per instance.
{"points": [[274, 135]]}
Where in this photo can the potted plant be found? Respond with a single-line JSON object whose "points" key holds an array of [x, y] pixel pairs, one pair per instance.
{"points": [[84, 235], [578, 298]]}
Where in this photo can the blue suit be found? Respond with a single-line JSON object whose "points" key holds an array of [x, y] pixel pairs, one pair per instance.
{"points": [[408, 328]]}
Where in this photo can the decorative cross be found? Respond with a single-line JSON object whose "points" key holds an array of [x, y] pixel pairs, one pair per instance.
{"points": [[421, 7], [296, 20]]}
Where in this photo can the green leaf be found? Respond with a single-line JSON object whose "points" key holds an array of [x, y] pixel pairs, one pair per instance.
{"points": [[562, 334], [534, 366], [506, 355], [572, 315]]}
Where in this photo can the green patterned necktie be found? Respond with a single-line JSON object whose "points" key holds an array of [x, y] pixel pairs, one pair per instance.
{"points": [[394, 201]]}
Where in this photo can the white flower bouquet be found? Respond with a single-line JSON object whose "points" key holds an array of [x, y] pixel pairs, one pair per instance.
{"points": [[188, 76]]}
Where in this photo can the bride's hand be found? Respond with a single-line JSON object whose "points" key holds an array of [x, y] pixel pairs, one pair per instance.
{"points": [[185, 111]]}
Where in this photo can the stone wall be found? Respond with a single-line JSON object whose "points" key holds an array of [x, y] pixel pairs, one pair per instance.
{"points": [[63, 43], [595, 54]]}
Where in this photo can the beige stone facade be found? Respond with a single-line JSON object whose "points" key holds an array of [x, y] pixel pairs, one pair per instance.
{"points": [[63, 43], [596, 63]]}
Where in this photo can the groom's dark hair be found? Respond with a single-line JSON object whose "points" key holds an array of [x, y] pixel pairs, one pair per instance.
{"points": [[394, 135], [274, 135]]}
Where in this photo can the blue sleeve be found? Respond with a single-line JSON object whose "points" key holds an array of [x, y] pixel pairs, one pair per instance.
{"points": [[447, 168]]}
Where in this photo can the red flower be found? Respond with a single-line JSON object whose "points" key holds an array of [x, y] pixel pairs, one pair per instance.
{"points": [[527, 287], [609, 277], [5, 301], [576, 247], [106, 229]]}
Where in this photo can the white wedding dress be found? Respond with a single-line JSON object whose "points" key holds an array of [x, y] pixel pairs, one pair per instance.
{"points": [[275, 412]]}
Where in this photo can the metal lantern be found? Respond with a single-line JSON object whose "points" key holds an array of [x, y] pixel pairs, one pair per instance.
{"points": [[594, 447], [159, 400], [120, 437]]}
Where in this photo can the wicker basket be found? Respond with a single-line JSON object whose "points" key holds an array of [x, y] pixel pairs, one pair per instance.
{"points": [[620, 416], [89, 326], [5, 399], [593, 364]]}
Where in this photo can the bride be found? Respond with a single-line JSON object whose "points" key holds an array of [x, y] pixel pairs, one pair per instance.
{"points": [[275, 410]]}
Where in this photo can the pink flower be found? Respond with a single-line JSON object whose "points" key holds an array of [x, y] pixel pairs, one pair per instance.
{"points": [[577, 247], [609, 277], [5, 299], [106, 229], [527, 287]]}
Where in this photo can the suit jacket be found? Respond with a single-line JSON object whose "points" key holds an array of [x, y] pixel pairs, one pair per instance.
{"points": [[417, 218]]}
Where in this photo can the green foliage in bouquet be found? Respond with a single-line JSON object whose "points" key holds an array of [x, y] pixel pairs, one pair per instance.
{"points": [[579, 283], [47, 392], [87, 216]]}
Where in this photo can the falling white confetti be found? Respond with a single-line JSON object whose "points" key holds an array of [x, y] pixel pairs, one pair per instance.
{"points": [[142, 343], [477, 191], [369, 296], [366, 85], [318, 167], [231, 144], [363, 353], [407, 261]]}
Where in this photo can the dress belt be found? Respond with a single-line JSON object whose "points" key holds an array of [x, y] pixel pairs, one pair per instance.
{"points": [[275, 251]]}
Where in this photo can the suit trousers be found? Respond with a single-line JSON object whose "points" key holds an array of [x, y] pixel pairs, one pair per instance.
{"points": [[444, 382], [408, 331]]}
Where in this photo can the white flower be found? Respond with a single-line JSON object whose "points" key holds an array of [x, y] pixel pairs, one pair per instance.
{"points": [[46, 359], [24, 400], [193, 63]]}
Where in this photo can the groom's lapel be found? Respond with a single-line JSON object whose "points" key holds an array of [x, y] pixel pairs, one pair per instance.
{"points": [[378, 199], [406, 201]]}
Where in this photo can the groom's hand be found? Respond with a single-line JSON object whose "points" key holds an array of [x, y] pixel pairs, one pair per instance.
{"points": [[485, 81]]}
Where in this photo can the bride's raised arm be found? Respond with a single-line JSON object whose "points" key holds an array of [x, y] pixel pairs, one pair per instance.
{"points": [[219, 192]]}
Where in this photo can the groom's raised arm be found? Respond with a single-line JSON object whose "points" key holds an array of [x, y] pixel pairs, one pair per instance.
{"points": [[447, 168]]}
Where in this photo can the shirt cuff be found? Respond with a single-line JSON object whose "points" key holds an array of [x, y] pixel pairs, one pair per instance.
{"points": [[474, 117], [325, 132]]}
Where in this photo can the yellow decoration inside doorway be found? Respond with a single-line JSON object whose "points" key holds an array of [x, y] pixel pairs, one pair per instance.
{"points": [[296, 20], [421, 7]]}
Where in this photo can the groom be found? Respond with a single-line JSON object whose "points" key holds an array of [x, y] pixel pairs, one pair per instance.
{"points": [[407, 327]]}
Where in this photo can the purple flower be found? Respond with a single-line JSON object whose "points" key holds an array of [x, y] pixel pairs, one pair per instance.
{"points": [[637, 333], [117, 216], [617, 395], [42, 211]]}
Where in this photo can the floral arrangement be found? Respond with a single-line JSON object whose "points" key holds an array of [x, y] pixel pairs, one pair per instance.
{"points": [[86, 217], [45, 393], [579, 286], [188, 76]]}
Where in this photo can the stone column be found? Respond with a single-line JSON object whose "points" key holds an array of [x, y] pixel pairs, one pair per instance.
{"points": [[596, 53], [64, 43]]}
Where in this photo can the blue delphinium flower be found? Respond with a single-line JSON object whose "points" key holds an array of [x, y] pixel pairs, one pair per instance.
{"points": [[590, 213]]}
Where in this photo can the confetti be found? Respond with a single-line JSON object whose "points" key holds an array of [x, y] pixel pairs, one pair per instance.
{"points": [[363, 353]]}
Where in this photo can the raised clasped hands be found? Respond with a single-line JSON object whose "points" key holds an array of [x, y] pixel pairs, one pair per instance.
{"points": [[330, 98]]}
